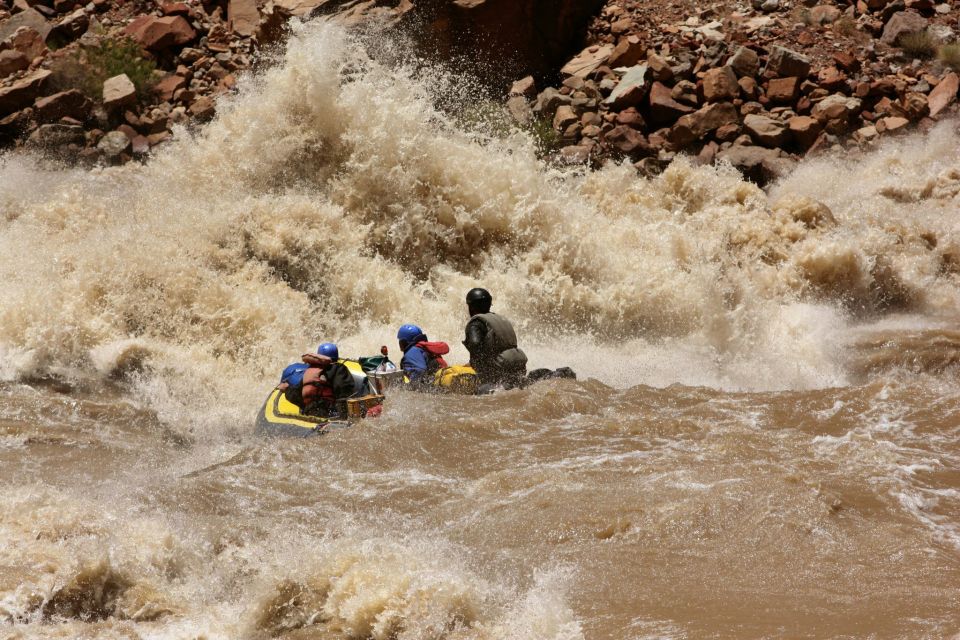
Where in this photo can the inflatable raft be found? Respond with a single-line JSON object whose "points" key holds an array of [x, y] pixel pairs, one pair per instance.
{"points": [[374, 377]]}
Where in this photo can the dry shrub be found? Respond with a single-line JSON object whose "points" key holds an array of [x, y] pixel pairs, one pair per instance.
{"points": [[86, 70], [949, 54], [918, 45]]}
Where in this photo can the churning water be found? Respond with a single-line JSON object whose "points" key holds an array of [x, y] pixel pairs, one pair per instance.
{"points": [[764, 440]]}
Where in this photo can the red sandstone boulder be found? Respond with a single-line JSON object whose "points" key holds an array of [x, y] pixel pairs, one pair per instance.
{"points": [[783, 90], [72, 104], [156, 34], [23, 92], [944, 94], [664, 110], [628, 141], [698, 124], [720, 84]]}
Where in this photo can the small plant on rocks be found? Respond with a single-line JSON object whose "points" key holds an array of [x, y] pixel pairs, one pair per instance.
{"points": [[918, 45], [949, 54], [87, 71]]}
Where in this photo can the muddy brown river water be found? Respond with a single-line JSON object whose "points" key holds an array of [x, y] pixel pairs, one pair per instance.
{"points": [[763, 442]]}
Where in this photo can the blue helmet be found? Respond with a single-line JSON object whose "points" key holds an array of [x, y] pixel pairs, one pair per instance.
{"points": [[293, 374], [408, 333], [330, 350]]}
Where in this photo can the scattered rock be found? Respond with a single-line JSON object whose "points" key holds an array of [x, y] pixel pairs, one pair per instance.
{"points": [[72, 104], [157, 34], [631, 91], [113, 144], [244, 17], [824, 14], [12, 61], [783, 62], [783, 90], [23, 92], [525, 87], [664, 110], [720, 84], [745, 62], [27, 41], [587, 61], [628, 52], [804, 130], [118, 91], [628, 141], [767, 131], [30, 18], [57, 135], [756, 163], [698, 124], [944, 94], [900, 24]]}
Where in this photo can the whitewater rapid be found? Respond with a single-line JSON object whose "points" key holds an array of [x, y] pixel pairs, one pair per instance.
{"points": [[762, 442]]}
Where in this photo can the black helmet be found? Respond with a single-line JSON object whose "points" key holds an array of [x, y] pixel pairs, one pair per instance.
{"points": [[479, 299]]}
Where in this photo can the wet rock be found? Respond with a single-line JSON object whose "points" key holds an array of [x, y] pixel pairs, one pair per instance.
{"points": [[72, 104], [804, 130], [631, 91], [203, 108], [720, 84], [868, 133], [15, 125], [548, 101], [113, 144], [767, 131], [519, 110], [564, 117], [157, 34], [698, 124], [243, 16], [525, 87], [757, 164], [783, 62], [783, 90], [12, 61], [745, 62], [57, 135], [664, 110], [23, 92], [628, 141], [119, 91], [944, 94], [892, 124], [900, 24]]}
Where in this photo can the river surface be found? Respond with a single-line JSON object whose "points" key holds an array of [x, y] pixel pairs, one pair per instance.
{"points": [[763, 442]]}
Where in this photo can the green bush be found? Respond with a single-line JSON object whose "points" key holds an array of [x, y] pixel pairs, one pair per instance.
{"points": [[86, 70], [918, 45]]}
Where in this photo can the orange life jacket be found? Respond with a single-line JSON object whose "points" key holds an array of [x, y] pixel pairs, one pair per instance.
{"points": [[316, 387], [435, 352]]}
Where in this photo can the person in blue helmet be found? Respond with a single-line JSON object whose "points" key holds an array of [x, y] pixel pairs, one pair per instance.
{"points": [[319, 383], [421, 358]]}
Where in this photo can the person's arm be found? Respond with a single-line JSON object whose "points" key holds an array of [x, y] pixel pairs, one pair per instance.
{"points": [[476, 332]]}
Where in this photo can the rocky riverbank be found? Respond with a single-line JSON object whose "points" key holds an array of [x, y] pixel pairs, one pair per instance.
{"points": [[757, 85]]}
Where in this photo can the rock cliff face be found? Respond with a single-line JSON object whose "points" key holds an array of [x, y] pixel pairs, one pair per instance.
{"points": [[498, 39]]}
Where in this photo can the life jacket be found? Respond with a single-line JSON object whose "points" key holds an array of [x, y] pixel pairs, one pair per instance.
{"points": [[314, 394], [435, 352], [499, 346]]}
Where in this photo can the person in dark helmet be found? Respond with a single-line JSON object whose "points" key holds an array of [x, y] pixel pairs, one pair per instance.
{"points": [[492, 343], [319, 383], [421, 358]]}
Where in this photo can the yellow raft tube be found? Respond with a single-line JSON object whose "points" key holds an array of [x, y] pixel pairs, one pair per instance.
{"points": [[279, 416]]}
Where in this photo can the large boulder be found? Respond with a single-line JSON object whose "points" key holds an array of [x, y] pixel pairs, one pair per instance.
{"points": [[27, 41], [698, 124], [805, 130], [57, 135], [68, 29], [157, 34], [113, 145], [631, 91], [70, 103], [12, 61], [745, 62], [720, 84], [765, 130], [23, 92], [783, 62], [119, 91], [628, 141], [835, 107], [29, 18], [756, 163], [902, 23], [664, 110], [944, 94], [244, 17]]}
